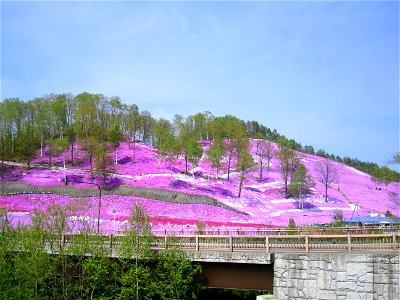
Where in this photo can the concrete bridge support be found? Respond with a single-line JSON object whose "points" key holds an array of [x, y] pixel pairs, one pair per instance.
{"points": [[238, 276], [337, 276], [236, 270]]}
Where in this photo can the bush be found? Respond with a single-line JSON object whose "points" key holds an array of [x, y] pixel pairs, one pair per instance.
{"points": [[337, 220], [292, 226], [200, 227]]}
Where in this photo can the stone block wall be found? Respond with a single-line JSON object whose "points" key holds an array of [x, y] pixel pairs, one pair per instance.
{"points": [[337, 276]]}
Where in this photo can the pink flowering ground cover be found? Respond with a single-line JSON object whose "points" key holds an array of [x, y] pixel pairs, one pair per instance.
{"points": [[262, 201], [115, 211]]}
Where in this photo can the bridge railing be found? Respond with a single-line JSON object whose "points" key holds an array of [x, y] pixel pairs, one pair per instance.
{"points": [[285, 243], [268, 244], [284, 231]]}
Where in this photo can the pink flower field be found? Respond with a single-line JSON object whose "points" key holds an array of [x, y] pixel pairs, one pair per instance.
{"points": [[262, 203]]}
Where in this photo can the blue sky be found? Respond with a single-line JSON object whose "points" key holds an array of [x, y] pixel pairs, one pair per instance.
{"points": [[323, 73]]}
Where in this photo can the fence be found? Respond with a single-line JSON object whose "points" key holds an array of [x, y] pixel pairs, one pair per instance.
{"points": [[267, 244], [354, 230]]}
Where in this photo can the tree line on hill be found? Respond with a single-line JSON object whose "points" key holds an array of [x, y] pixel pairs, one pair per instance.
{"points": [[57, 122]]}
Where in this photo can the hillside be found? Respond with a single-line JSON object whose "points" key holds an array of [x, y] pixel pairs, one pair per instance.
{"points": [[261, 203]]}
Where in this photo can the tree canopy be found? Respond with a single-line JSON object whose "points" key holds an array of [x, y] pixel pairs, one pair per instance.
{"points": [[26, 126]]}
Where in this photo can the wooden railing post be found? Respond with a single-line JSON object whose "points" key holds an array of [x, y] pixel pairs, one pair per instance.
{"points": [[307, 243], [230, 244], [165, 242], [267, 244], [349, 243], [197, 243]]}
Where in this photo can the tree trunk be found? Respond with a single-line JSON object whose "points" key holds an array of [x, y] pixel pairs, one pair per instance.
{"points": [[186, 165], [76, 148], [286, 190], [12, 145], [229, 166], [241, 184], [134, 151], [172, 176], [2, 168], [261, 171], [91, 164], [29, 154], [72, 153], [286, 186], [326, 192], [50, 154], [41, 145]]}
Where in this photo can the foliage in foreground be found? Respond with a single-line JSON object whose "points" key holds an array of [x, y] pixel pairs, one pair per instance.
{"points": [[34, 264]]}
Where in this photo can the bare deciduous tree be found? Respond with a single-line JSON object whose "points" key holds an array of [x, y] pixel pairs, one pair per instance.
{"points": [[327, 174], [265, 152]]}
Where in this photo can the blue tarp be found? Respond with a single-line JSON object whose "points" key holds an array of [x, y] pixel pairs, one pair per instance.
{"points": [[373, 220]]}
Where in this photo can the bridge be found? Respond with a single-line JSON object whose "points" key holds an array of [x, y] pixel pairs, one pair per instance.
{"points": [[267, 242], [287, 261], [306, 263]]}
